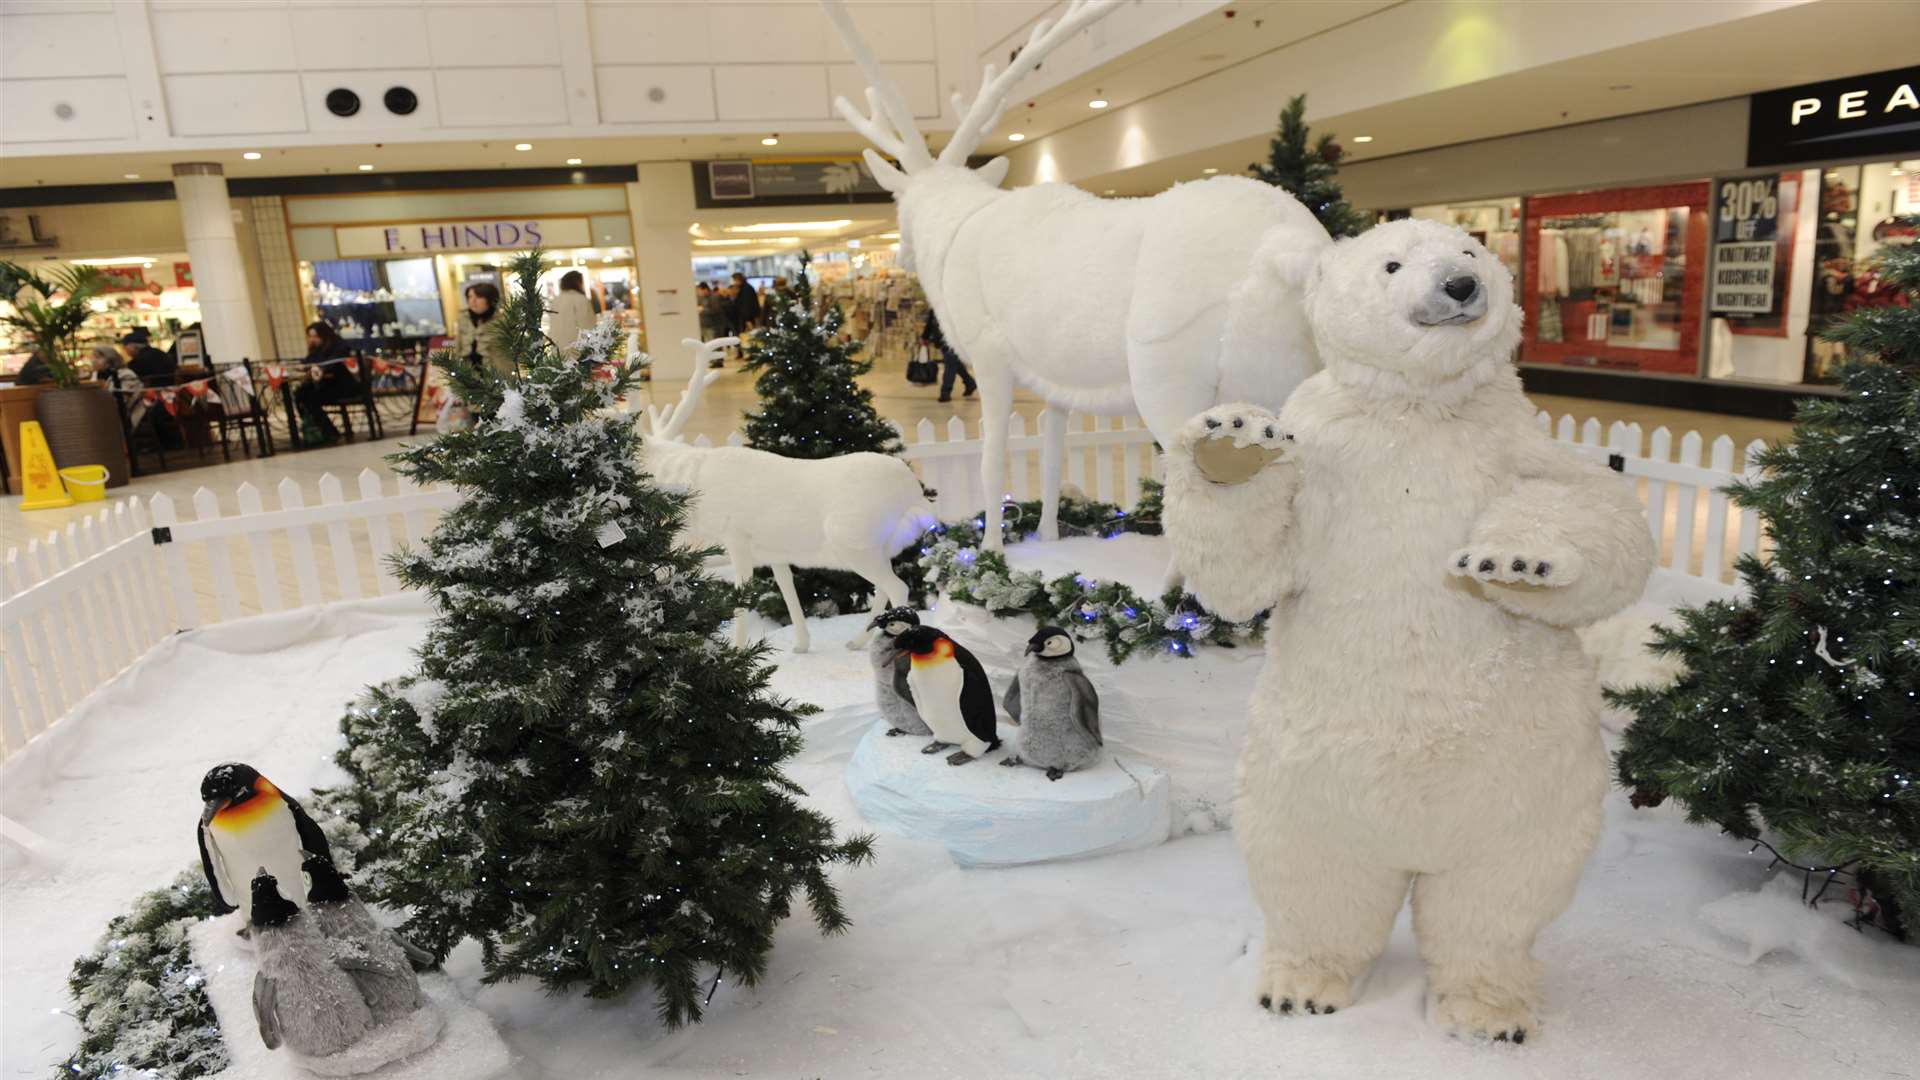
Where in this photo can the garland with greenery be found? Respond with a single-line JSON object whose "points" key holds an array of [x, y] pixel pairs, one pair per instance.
{"points": [[139, 996], [1174, 622]]}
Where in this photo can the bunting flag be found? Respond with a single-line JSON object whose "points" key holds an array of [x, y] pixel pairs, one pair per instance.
{"points": [[353, 365], [276, 375]]}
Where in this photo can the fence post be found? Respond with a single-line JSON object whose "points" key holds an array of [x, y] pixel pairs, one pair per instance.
{"points": [[379, 536], [1713, 554], [266, 580], [186, 613], [206, 507], [346, 566], [1749, 517], [306, 573]]}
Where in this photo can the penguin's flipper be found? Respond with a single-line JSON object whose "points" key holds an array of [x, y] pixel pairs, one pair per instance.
{"points": [[220, 905], [415, 953], [901, 666], [311, 838], [1011, 700], [263, 1010], [976, 697], [1086, 704]]}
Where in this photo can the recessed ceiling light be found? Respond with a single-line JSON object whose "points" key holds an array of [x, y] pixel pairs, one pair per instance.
{"points": [[1097, 103], [771, 140], [1109, 191], [792, 226], [721, 243], [1209, 170], [853, 243], [1018, 136], [132, 175], [1363, 138], [523, 146], [573, 161], [251, 155], [366, 168]]}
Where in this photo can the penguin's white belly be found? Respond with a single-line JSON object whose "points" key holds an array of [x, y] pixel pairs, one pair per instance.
{"points": [[272, 842], [936, 693]]}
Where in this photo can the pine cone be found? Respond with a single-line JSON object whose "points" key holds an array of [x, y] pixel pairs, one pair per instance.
{"points": [[1799, 605], [1641, 798], [1331, 155], [1746, 625]]}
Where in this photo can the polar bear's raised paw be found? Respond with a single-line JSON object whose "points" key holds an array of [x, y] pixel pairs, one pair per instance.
{"points": [[1230, 444], [1497, 564]]}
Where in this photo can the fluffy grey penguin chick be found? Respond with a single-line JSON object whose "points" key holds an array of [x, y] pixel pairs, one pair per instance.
{"points": [[890, 665], [377, 958], [300, 997], [1056, 707]]}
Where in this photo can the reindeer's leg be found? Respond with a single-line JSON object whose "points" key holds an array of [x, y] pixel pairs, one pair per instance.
{"points": [[783, 575], [888, 590], [996, 405], [742, 573], [1053, 458]]}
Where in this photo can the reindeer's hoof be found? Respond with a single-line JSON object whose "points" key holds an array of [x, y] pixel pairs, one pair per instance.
{"points": [[799, 646]]}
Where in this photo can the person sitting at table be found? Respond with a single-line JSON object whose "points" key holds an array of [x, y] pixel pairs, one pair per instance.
{"points": [[328, 382], [154, 367]]}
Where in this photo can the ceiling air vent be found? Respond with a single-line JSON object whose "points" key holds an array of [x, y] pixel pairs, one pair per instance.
{"points": [[343, 102], [401, 101]]}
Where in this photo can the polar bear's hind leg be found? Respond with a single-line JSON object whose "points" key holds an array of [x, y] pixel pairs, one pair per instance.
{"points": [[1327, 915], [1476, 927]]}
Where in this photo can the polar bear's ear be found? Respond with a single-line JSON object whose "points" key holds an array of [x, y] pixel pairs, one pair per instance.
{"points": [[1295, 269]]}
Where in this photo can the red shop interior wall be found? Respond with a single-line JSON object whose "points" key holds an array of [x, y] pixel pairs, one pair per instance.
{"points": [[1683, 361]]}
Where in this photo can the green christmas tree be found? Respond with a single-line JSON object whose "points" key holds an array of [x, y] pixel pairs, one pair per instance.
{"points": [[1307, 174], [811, 405], [1796, 720], [582, 775]]}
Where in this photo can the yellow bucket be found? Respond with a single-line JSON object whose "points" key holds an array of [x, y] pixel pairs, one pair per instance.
{"points": [[86, 483]]}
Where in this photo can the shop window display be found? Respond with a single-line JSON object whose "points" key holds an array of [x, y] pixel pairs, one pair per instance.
{"points": [[1858, 208], [1614, 279]]}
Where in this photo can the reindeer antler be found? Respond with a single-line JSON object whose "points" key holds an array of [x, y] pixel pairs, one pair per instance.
{"points": [[991, 102], [667, 424], [888, 123]]}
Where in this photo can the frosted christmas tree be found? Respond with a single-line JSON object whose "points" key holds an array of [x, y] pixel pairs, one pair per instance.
{"points": [[582, 775]]}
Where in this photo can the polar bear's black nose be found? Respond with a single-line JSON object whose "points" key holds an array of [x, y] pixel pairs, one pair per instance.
{"points": [[1461, 288]]}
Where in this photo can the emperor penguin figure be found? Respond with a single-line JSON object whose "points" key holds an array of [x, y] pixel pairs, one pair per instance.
{"points": [[1056, 707], [301, 998], [377, 959], [250, 823], [891, 691], [951, 690]]}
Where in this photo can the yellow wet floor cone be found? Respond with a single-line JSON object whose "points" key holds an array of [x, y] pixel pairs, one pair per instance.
{"points": [[37, 474]]}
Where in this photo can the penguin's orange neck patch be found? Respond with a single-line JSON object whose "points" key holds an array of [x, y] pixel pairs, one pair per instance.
{"points": [[941, 653], [245, 815]]}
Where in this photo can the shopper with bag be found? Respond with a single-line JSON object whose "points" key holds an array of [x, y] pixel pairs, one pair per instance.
{"points": [[955, 367]]}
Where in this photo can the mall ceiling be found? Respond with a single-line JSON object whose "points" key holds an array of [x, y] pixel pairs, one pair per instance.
{"points": [[1733, 58]]}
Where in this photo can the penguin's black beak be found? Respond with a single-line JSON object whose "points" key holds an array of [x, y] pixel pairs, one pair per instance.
{"points": [[874, 623], [213, 807], [1035, 646]]}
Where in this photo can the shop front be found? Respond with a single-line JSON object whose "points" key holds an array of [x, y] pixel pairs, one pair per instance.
{"points": [[1717, 286], [391, 271]]}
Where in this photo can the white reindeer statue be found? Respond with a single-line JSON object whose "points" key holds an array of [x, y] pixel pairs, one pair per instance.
{"points": [[1165, 306], [853, 512]]}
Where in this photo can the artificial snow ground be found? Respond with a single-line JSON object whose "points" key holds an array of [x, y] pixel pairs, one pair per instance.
{"points": [[1680, 955]]}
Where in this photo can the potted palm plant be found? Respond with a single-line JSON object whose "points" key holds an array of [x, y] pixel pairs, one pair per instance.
{"points": [[79, 417]]}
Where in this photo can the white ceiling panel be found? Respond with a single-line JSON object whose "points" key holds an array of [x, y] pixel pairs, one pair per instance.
{"points": [[257, 38], [235, 104]]}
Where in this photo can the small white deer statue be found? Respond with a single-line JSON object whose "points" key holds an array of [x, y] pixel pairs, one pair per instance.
{"points": [[1165, 306], [853, 512]]}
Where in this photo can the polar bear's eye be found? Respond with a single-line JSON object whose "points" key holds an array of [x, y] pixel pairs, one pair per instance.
{"points": [[1392, 266], [1467, 253]]}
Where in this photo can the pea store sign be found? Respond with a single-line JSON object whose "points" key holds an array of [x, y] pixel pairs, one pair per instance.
{"points": [[1746, 244], [1863, 116], [448, 237]]}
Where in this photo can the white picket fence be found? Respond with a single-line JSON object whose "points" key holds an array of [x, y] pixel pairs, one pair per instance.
{"points": [[1106, 459], [82, 605]]}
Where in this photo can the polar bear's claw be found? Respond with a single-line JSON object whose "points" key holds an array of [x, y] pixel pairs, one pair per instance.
{"points": [[1469, 1015], [1547, 569]]}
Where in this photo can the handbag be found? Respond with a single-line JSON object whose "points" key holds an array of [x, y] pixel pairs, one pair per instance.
{"points": [[921, 370]]}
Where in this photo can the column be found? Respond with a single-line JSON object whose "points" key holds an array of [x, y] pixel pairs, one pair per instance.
{"points": [[219, 273], [662, 208]]}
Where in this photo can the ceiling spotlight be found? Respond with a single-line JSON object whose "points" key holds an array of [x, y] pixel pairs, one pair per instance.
{"points": [[1209, 171], [523, 146], [1363, 138], [573, 161], [1097, 103], [771, 140], [1109, 191], [853, 243], [132, 175], [251, 155], [366, 168], [1018, 136]]}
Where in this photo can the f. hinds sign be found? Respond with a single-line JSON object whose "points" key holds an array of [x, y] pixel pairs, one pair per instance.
{"points": [[1867, 115], [437, 237]]}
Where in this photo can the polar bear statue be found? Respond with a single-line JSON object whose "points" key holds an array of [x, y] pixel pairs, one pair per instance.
{"points": [[1428, 717]]}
